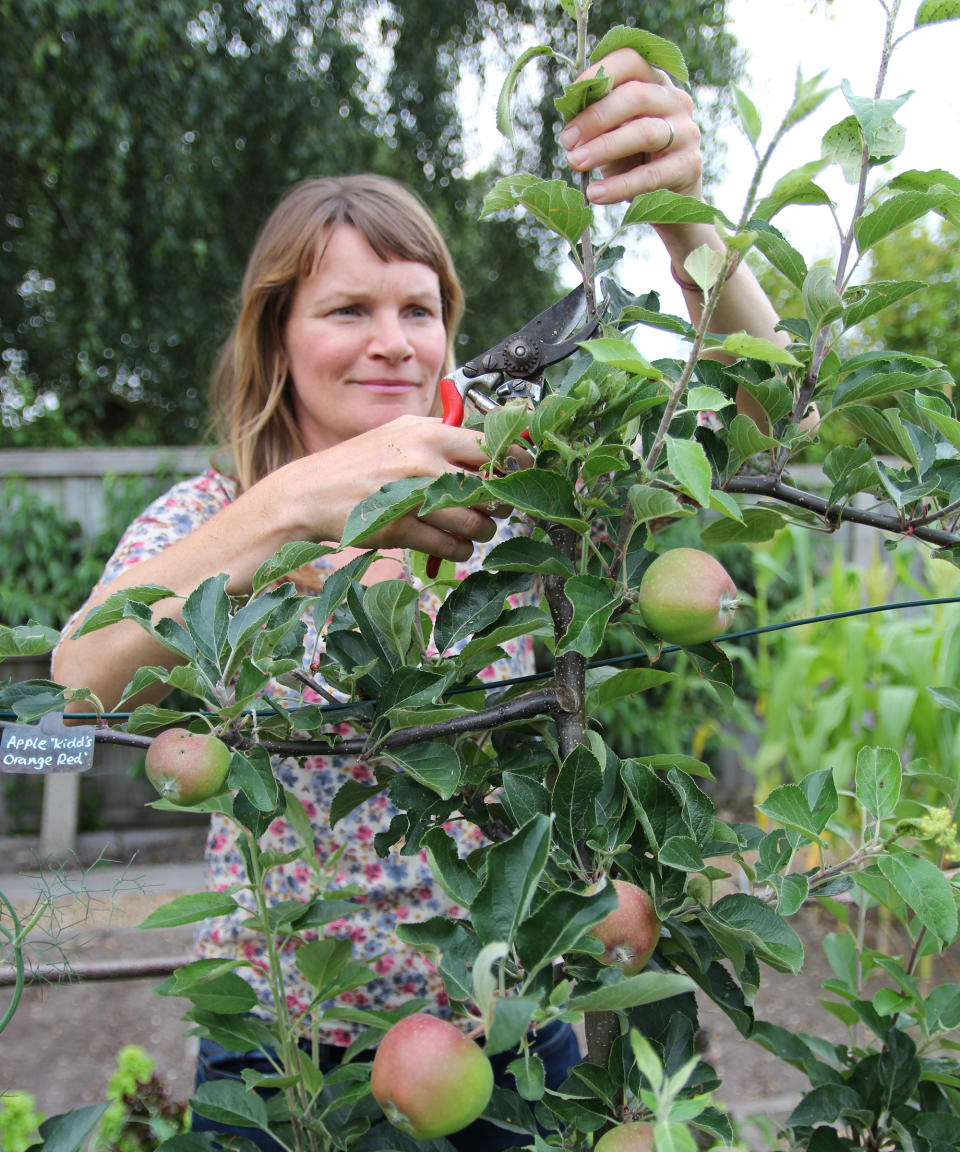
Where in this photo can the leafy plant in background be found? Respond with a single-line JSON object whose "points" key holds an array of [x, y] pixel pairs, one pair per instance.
{"points": [[619, 449], [46, 558]]}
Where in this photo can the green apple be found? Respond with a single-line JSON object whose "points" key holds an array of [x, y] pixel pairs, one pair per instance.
{"points": [[187, 767], [429, 1078], [631, 931], [636, 1137], [687, 597]]}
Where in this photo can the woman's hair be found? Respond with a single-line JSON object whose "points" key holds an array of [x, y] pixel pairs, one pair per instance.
{"points": [[250, 398]]}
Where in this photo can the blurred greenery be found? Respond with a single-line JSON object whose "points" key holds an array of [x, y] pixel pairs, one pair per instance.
{"points": [[143, 144], [49, 567]]}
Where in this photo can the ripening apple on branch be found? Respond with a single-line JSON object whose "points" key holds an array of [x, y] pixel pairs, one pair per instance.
{"points": [[186, 767], [687, 597]]}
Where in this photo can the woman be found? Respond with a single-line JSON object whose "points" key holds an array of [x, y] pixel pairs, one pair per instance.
{"points": [[327, 389]]}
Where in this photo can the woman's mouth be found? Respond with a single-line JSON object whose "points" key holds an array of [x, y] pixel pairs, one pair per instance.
{"points": [[387, 387]]}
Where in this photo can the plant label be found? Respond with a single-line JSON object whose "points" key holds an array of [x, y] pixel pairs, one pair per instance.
{"points": [[47, 747]]}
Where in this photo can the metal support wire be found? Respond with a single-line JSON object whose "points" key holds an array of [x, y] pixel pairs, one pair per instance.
{"points": [[607, 662]]}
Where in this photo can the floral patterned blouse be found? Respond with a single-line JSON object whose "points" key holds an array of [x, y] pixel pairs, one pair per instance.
{"points": [[396, 889]]}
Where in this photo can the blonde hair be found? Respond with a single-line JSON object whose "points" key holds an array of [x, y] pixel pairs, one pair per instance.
{"points": [[250, 398]]}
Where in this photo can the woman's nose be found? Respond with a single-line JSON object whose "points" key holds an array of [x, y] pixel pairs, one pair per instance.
{"points": [[388, 337]]}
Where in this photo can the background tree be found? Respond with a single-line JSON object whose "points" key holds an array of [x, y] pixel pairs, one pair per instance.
{"points": [[143, 144]]}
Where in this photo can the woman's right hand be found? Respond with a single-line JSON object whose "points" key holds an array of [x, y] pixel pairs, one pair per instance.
{"points": [[325, 487]]}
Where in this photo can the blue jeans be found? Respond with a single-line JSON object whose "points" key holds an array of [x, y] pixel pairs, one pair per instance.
{"points": [[555, 1044]]}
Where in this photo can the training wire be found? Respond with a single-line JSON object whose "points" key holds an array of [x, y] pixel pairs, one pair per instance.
{"points": [[609, 661]]}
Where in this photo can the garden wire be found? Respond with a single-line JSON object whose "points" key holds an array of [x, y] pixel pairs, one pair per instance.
{"points": [[612, 661]]}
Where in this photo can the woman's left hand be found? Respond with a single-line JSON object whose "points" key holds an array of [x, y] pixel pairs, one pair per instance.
{"points": [[641, 135]]}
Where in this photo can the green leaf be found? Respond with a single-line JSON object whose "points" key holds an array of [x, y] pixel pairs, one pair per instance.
{"points": [[577, 786], [522, 554], [69, 1131], [524, 798], [392, 607], [788, 805], [594, 601], [253, 773], [190, 908], [935, 11], [321, 961], [454, 875], [559, 923], [289, 558], [225, 995], [474, 604], [31, 639], [878, 780], [650, 503], [511, 1022], [926, 892], [230, 1102], [796, 187], [621, 354], [538, 492], [580, 94], [559, 207], [112, 609], [434, 764], [704, 265], [783, 256], [749, 116], [657, 51], [866, 300], [665, 207], [504, 116], [682, 853], [750, 919], [503, 427], [824, 1104], [506, 193], [792, 891], [821, 300], [689, 464], [807, 98], [757, 348], [897, 212], [514, 868], [605, 685], [529, 1075], [631, 992], [206, 614], [746, 439], [386, 505]]}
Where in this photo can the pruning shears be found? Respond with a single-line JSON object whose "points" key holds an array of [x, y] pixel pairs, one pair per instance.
{"points": [[514, 368]]}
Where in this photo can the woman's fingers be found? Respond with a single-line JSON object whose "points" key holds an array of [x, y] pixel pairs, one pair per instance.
{"points": [[640, 136]]}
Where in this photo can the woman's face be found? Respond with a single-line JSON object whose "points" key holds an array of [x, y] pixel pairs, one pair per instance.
{"points": [[364, 341]]}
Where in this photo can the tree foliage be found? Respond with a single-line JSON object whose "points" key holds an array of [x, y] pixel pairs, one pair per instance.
{"points": [[143, 144]]}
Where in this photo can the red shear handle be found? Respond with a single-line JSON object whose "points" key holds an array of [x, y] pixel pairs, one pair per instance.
{"points": [[452, 414], [452, 402]]}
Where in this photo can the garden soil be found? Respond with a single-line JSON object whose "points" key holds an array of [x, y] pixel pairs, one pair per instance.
{"points": [[62, 1043]]}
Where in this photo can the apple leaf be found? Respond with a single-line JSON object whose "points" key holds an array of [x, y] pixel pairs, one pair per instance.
{"points": [[594, 601], [504, 102], [666, 207], [434, 764], [580, 94], [657, 51], [688, 463], [936, 11], [749, 116], [190, 908], [558, 924], [513, 871], [878, 779], [925, 890]]}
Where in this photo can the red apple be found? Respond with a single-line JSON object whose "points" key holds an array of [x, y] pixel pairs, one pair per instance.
{"points": [[636, 1137], [187, 767], [429, 1078], [630, 933], [686, 597]]}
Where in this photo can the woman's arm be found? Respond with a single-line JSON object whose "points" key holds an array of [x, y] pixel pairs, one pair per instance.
{"points": [[309, 499]]}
